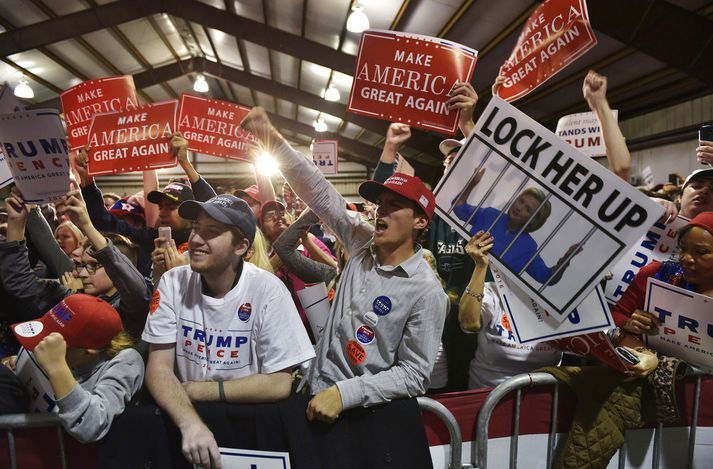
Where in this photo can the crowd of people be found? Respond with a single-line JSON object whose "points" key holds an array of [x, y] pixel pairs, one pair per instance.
{"points": [[178, 296]]}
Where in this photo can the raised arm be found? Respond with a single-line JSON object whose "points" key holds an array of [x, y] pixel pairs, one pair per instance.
{"points": [[44, 244], [309, 183], [471, 301], [150, 185], [595, 93], [463, 98], [308, 270]]}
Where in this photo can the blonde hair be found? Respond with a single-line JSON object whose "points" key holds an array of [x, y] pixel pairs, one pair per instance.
{"points": [[76, 232], [120, 342], [545, 210], [258, 252]]}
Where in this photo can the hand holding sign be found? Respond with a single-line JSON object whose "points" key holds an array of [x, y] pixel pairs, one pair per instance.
{"points": [[463, 98], [642, 322], [478, 247], [76, 210]]}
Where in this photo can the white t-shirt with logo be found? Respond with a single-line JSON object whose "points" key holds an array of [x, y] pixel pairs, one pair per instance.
{"points": [[499, 356], [254, 329]]}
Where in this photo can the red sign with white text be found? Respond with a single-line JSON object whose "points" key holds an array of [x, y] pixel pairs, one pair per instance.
{"points": [[81, 102], [406, 78], [594, 345], [136, 140], [557, 33], [213, 127]]}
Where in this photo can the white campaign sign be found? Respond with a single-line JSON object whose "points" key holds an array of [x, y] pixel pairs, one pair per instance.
{"points": [[582, 131], [531, 323], [315, 301], [325, 154], [658, 244], [35, 380], [686, 329], [253, 459], [35, 148], [559, 219]]}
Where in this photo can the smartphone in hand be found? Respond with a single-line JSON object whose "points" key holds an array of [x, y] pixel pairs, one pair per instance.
{"points": [[705, 133], [164, 232], [627, 356]]}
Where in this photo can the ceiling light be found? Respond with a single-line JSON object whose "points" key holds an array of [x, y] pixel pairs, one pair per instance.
{"points": [[23, 90], [357, 21], [332, 94], [320, 125], [266, 164], [200, 85]]}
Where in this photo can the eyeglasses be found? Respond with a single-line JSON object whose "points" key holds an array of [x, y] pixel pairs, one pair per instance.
{"points": [[273, 215], [91, 268]]}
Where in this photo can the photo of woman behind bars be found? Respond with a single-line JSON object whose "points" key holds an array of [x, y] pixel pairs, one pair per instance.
{"points": [[513, 244]]}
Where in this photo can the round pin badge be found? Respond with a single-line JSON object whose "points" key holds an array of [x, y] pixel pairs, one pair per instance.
{"points": [[244, 312], [29, 328], [365, 334], [382, 305], [371, 318], [355, 352]]}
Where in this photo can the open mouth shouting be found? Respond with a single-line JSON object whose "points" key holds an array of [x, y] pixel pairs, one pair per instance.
{"points": [[381, 226]]}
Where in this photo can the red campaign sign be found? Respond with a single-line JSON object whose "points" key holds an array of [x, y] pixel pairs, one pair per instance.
{"points": [[557, 33], [103, 95], [594, 345], [325, 155], [213, 127], [406, 78], [135, 140]]}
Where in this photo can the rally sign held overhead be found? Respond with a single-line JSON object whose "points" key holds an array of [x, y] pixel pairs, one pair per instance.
{"points": [[406, 78], [557, 33], [583, 132], [325, 155], [213, 127], [133, 140], [34, 146], [103, 95], [559, 219]]}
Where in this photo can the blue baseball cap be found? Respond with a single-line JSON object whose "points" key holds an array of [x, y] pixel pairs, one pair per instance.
{"points": [[226, 209]]}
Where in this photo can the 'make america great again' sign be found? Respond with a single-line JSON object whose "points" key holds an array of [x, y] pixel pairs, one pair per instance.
{"points": [[407, 78]]}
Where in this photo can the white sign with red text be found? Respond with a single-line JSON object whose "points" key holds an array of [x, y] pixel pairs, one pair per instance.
{"points": [[582, 131], [325, 155]]}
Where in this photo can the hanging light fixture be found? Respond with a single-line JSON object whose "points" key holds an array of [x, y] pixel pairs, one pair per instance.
{"points": [[357, 21], [200, 85], [320, 125], [23, 90], [332, 93]]}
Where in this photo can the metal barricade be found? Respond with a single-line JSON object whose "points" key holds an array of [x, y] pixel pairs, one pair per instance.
{"points": [[516, 383], [440, 411], [12, 422]]}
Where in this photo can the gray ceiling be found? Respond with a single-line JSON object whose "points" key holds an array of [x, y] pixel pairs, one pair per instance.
{"points": [[282, 54]]}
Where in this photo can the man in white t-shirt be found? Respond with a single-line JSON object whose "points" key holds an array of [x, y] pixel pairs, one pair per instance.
{"points": [[229, 329]]}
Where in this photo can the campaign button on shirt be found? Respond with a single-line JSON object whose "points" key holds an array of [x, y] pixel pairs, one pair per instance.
{"points": [[382, 305], [244, 312], [371, 318], [355, 352], [365, 334]]}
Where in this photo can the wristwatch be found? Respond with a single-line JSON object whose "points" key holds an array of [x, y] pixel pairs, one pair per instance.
{"points": [[478, 296]]}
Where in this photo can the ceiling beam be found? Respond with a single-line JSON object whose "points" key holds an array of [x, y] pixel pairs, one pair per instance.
{"points": [[677, 37]]}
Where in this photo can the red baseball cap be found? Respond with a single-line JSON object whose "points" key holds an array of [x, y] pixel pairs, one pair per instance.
{"points": [[250, 192], [84, 321], [410, 187], [703, 220]]}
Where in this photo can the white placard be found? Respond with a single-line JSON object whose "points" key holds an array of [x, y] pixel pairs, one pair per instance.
{"points": [[253, 459], [403, 166], [648, 175], [315, 301], [531, 323], [8, 104], [578, 205], [325, 155], [660, 243], [35, 149], [686, 329], [582, 131], [36, 381]]}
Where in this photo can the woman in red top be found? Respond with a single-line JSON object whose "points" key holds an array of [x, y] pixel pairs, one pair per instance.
{"points": [[693, 271]]}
